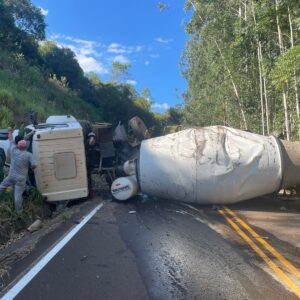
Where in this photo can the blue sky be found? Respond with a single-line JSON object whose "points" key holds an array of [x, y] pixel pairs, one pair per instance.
{"points": [[133, 31]]}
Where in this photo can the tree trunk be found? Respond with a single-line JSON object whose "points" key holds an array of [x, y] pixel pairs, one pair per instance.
{"points": [[296, 95], [234, 89], [261, 94], [295, 76], [286, 116], [284, 90], [262, 80]]}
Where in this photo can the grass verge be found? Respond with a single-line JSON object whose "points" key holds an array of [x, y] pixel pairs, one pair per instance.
{"points": [[34, 207]]}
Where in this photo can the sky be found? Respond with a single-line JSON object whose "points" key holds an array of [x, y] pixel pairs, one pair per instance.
{"points": [[132, 31]]}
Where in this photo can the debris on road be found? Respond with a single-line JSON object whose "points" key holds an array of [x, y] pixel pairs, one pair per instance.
{"points": [[84, 257], [36, 225]]}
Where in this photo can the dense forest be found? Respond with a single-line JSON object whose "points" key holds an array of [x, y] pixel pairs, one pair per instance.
{"points": [[242, 63], [36, 74]]}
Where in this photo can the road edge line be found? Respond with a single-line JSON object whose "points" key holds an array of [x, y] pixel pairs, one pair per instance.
{"points": [[22, 282]]}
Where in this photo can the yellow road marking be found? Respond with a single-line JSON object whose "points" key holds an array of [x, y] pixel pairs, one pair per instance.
{"points": [[274, 252], [289, 283]]}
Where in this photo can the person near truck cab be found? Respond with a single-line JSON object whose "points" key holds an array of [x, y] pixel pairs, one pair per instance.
{"points": [[21, 161], [18, 138]]}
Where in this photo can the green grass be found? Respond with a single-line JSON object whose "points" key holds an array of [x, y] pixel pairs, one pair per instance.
{"points": [[23, 88], [12, 222], [65, 215], [32, 205]]}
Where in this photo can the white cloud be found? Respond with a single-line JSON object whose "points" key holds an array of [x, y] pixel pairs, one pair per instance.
{"points": [[90, 64], [154, 55], [55, 36], [131, 82], [121, 59], [44, 11], [85, 47], [161, 106], [116, 48], [163, 41], [97, 57], [86, 52], [121, 49]]}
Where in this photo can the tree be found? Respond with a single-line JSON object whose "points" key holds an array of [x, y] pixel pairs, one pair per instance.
{"points": [[286, 67], [162, 6], [175, 115], [7, 27], [22, 26], [62, 63], [146, 94], [120, 72], [28, 17], [93, 78], [236, 51]]}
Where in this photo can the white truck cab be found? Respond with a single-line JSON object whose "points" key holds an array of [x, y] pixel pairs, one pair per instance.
{"points": [[58, 149]]}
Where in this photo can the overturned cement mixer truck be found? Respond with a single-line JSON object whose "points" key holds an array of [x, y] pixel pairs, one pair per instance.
{"points": [[214, 164]]}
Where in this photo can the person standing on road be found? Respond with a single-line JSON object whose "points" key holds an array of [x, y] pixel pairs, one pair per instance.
{"points": [[21, 161]]}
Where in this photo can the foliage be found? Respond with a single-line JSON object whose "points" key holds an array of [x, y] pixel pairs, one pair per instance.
{"points": [[22, 26], [27, 17], [175, 115], [286, 67], [93, 78], [28, 88], [32, 206], [6, 107], [236, 53], [162, 6], [5, 116], [6, 98], [65, 215], [120, 72], [53, 56]]}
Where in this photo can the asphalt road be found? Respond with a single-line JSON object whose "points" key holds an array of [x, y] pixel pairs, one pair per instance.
{"points": [[152, 249]]}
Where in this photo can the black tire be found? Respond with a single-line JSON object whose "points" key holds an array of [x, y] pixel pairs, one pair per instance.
{"points": [[2, 162]]}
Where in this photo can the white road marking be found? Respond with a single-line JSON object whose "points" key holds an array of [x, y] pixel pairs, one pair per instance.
{"points": [[202, 219], [19, 286]]}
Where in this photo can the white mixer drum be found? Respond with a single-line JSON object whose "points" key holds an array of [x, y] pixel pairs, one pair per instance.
{"points": [[213, 164]]}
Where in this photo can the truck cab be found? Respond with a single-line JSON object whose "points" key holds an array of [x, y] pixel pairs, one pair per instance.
{"points": [[58, 148]]}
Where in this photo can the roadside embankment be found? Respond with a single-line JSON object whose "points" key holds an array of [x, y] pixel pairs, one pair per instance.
{"points": [[12, 223]]}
